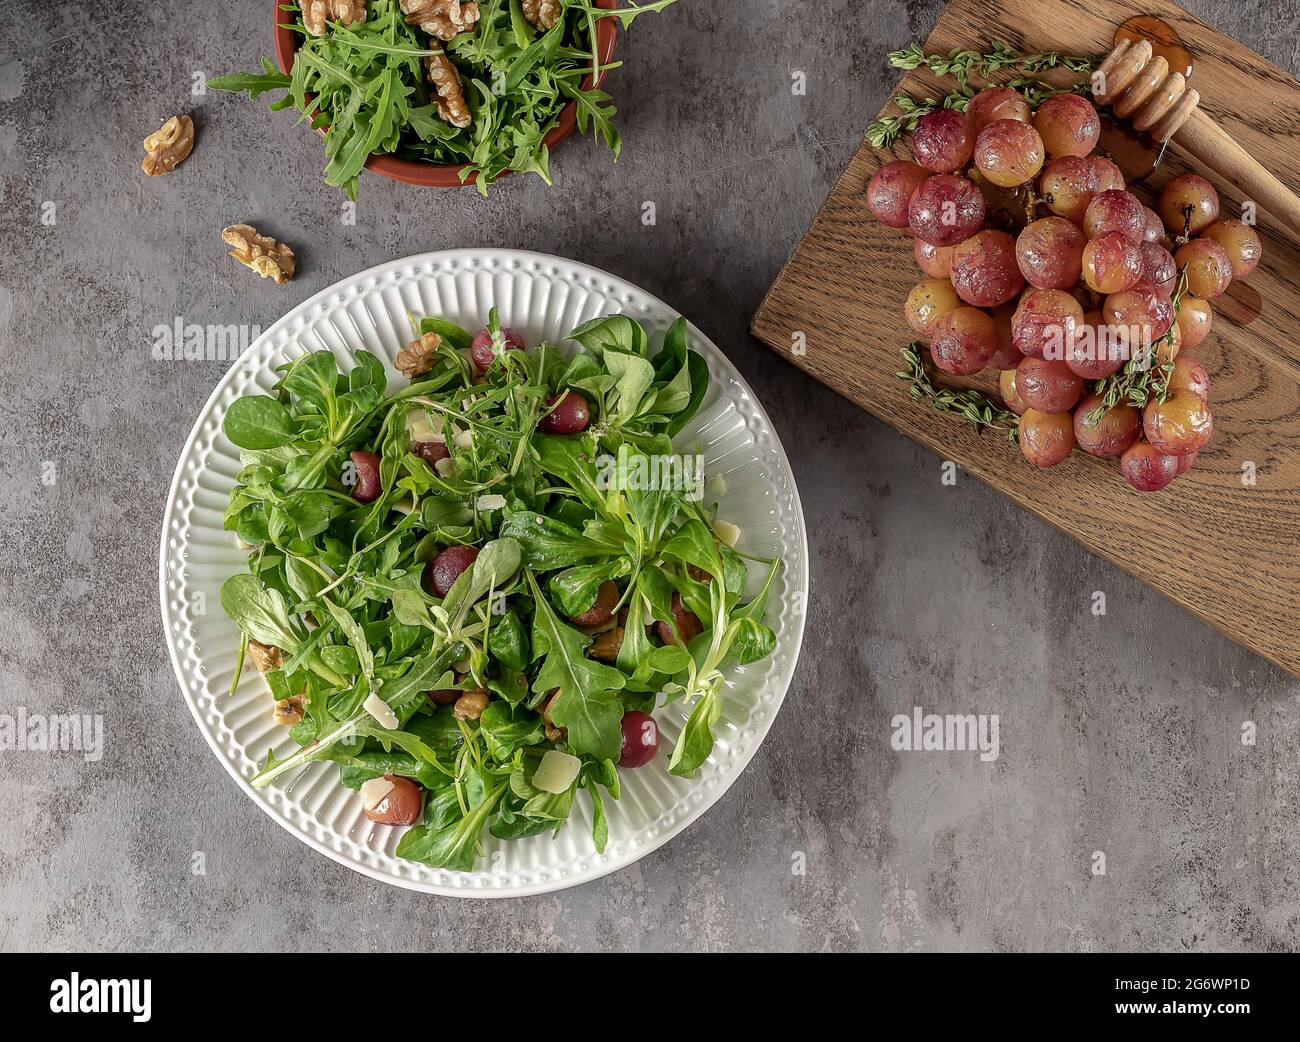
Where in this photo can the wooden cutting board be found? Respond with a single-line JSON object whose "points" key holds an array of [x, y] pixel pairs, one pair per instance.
{"points": [[1225, 549]]}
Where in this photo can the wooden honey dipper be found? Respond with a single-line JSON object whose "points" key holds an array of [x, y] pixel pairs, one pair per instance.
{"points": [[1160, 103]]}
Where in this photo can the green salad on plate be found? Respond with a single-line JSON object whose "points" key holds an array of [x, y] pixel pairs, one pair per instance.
{"points": [[472, 594]]}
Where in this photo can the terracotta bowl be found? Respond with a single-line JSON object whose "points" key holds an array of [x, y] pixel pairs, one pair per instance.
{"points": [[447, 175]]}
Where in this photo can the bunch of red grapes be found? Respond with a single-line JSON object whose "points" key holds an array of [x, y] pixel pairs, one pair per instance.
{"points": [[1091, 280]]}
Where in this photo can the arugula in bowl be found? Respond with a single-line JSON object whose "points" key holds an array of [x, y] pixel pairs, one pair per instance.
{"points": [[473, 593], [503, 87]]}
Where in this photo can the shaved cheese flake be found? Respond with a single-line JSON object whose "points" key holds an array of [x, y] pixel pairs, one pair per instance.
{"points": [[375, 791], [462, 440], [490, 502], [405, 505], [726, 532], [556, 772], [423, 427], [445, 468], [718, 483], [378, 708]]}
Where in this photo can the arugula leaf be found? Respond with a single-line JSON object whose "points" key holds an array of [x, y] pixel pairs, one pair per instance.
{"points": [[256, 84], [588, 706], [595, 115]]}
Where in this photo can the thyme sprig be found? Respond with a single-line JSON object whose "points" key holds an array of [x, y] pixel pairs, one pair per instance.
{"points": [[962, 65], [1140, 380], [975, 407], [888, 129]]}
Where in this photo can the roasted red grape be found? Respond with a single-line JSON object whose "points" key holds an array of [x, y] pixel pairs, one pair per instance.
{"points": [[569, 413], [1190, 377], [1208, 268], [1115, 210], [1240, 242], [994, 103], [1158, 267], [1180, 425], [1007, 356], [943, 141], [482, 352], [1195, 317], [1046, 438], [1146, 468], [431, 451], [1141, 314], [640, 739], [1050, 253], [442, 571], [1067, 186], [400, 806], [1009, 152], [1096, 352], [1113, 432], [602, 607], [984, 271], [1048, 386], [928, 301], [935, 261], [1111, 262], [686, 623], [1010, 396], [1106, 174], [945, 209], [1045, 322], [891, 187], [365, 486], [1068, 125], [1188, 201], [963, 342], [1155, 227]]}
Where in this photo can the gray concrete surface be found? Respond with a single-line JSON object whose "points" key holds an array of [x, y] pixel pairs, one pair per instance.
{"points": [[1119, 734]]}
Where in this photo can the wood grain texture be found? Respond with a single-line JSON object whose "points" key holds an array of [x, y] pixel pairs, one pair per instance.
{"points": [[1227, 551]]}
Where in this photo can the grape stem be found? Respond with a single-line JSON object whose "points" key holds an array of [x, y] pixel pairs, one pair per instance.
{"points": [[975, 407]]}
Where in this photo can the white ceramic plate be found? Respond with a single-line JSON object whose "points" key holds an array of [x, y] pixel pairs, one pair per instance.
{"points": [[542, 297]]}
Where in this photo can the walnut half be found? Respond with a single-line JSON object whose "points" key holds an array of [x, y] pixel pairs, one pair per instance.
{"points": [[416, 358], [442, 19], [446, 80], [542, 13], [315, 13], [290, 711], [270, 259], [266, 657], [168, 146]]}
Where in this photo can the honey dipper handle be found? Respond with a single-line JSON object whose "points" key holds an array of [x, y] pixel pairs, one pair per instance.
{"points": [[1212, 145]]}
